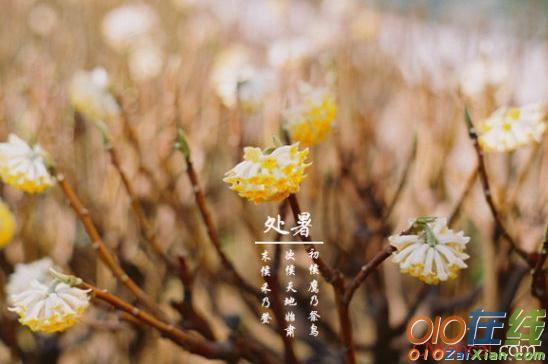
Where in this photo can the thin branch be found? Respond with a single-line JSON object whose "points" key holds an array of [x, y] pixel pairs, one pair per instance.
{"points": [[199, 196], [192, 343], [277, 307], [487, 189], [465, 192], [539, 285], [145, 225], [366, 270], [403, 179], [103, 251], [336, 279]]}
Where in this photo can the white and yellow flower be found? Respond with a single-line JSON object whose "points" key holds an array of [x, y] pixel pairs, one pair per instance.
{"points": [[310, 121], [50, 307], [90, 95], [24, 167], [430, 251], [509, 128], [270, 175], [7, 224], [27, 272]]}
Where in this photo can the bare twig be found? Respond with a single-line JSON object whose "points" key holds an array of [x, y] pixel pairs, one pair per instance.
{"points": [[336, 279], [103, 251], [192, 343], [182, 145], [465, 192], [145, 225], [487, 189], [366, 270], [403, 179]]}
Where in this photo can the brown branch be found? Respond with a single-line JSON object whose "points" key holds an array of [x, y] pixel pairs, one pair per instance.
{"points": [[487, 189], [539, 285], [465, 192], [145, 225], [366, 270], [192, 343], [336, 279], [103, 251], [191, 319], [403, 180], [276, 293], [199, 196]]}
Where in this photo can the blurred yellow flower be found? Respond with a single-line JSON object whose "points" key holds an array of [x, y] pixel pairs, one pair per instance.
{"points": [[24, 167], [509, 128], [50, 307], [431, 251], [309, 122], [269, 175], [90, 95], [7, 224]]}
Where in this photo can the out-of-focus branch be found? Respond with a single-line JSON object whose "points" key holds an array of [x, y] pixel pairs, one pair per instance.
{"points": [[103, 251], [191, 319], [366, 270], [182, 145], [336, 279], [465, 192], [403, 180], [145, 225], [539, 285], [487, 189], [192, 343], [276, 293]]}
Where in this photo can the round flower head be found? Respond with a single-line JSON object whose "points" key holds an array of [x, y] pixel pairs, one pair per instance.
{"points": [[430, 250], [309, 122], [270, 175], [24, 167], [7, 224], [509, 128], [90, 95], [128, 24], [25, 273], [49, 307], [231, 68]]}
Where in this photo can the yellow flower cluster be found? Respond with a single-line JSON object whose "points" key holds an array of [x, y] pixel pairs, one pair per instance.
{"points": [[7, 225], [309, 122], [24, 167], [269, 176], [509, 128], [431, 251]]}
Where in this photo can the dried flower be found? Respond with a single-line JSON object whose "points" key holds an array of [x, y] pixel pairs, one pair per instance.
{"points": [[430, 251], [509, 128], [28, 272], [24, 167], [90, 95], [50, 307], [269, 175], [7, 224], [309, 122]]}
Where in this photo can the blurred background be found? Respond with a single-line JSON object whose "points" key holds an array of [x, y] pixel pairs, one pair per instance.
{"points": [[225, 71]]}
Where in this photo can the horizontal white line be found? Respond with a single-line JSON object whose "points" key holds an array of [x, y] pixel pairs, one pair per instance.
{"points": [[287, 242]]}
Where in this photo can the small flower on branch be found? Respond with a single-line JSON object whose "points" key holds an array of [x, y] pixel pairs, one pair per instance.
{"points": [[53, 306], [24, 167], [509, 128], [271, 175], [429, 250]]}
